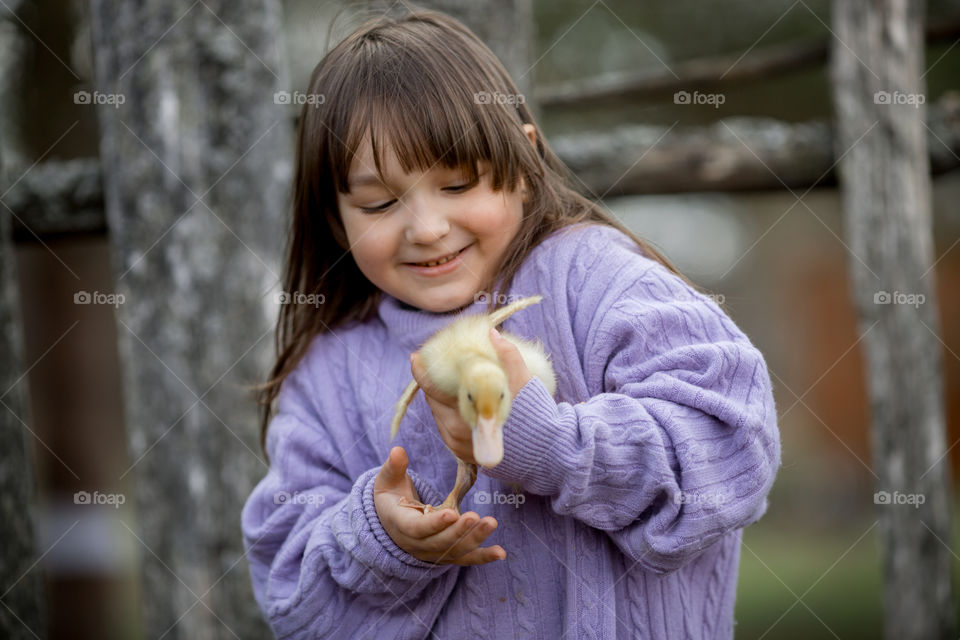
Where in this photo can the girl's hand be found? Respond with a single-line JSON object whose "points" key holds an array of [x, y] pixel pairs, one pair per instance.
{"points": [[457, 434], [438, 537]]}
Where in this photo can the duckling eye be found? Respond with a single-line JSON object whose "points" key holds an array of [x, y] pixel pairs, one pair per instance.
{"points": [[470, 397], [501, 395]]}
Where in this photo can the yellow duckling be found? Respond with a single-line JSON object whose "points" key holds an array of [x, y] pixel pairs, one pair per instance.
{"points": [[461, 361]]}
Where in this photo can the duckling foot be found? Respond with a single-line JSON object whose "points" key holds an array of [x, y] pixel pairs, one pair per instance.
{"points": [[425, 508], [466, 476]]}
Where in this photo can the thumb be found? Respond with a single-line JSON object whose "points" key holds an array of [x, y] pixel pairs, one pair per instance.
{"points": [[512, 359], [506, 350], [394, 469]]}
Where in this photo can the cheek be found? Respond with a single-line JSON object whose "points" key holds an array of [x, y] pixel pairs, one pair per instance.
{"points": [[496, 213], [369, 242]]}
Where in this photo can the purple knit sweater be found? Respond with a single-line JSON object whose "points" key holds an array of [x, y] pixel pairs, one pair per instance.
{"points": [[620, 502]]}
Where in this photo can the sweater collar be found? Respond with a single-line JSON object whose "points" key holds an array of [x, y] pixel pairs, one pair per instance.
{"points": [[410, 327]]}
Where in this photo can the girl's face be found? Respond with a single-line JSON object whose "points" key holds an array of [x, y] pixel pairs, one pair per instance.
{"points": [[427, 216]]}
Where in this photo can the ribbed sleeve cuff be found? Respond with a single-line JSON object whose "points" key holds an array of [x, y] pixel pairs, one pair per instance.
{"points": [[391, 558], [531, 442]]}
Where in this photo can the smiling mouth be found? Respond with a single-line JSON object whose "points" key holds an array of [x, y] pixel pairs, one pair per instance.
{"points": [[443, 260]]}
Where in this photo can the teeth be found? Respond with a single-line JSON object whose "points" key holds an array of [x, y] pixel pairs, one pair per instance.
{"points": [[437, 262]]}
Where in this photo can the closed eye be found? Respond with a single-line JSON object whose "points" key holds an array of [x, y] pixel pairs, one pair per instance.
{"points": [[460, 188], [378, 208]]}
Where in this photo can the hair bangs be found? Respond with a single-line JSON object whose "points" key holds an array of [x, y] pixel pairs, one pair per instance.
{"points": [[425, 113]]}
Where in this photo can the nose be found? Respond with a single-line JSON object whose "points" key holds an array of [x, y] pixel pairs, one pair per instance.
{"points": [[426, 221]]}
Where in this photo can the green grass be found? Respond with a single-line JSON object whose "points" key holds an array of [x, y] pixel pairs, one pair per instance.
{"points": [[839, 582]]}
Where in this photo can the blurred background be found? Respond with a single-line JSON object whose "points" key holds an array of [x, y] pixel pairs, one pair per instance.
{"points": [[758, 224]]}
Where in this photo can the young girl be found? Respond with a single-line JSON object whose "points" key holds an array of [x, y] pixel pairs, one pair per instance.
{"points": [[617, 509]]}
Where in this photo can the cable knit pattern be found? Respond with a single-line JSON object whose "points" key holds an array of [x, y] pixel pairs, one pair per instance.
{"points": [[621, 499]]}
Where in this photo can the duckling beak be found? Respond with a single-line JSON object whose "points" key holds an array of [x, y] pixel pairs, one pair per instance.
{"points": [[488, 441]]}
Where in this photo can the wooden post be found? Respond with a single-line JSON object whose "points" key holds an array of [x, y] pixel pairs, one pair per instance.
{"points": [[196, 160], [22, 603], [878, 89]]}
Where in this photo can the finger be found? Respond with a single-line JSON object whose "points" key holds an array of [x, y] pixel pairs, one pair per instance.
{"points": [[512, 360], [423, 379], [393, 470], [482, 555], [430, 524], [469, 532], [505, 348]]}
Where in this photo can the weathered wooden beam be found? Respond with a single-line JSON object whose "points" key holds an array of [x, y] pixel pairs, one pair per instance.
{"points": [[734, 154], [885, 180], [196, 165], [706, 73], [58, 197]]}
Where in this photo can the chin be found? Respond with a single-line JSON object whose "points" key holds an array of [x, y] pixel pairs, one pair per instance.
{"points": [[446, 305]]}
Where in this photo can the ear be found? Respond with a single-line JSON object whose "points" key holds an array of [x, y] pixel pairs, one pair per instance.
{"points": [[531, 132]]}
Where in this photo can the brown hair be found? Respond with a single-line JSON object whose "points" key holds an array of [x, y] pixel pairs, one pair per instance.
{"points": [[413, 82]]}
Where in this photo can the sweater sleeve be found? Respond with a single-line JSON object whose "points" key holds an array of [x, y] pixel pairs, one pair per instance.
{"points": [[322, 565], [678, 443]]}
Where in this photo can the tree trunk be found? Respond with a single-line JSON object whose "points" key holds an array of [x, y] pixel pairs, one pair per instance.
{"points": [[23, 610], [23, 613], [196, 162], [886, 196]]}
